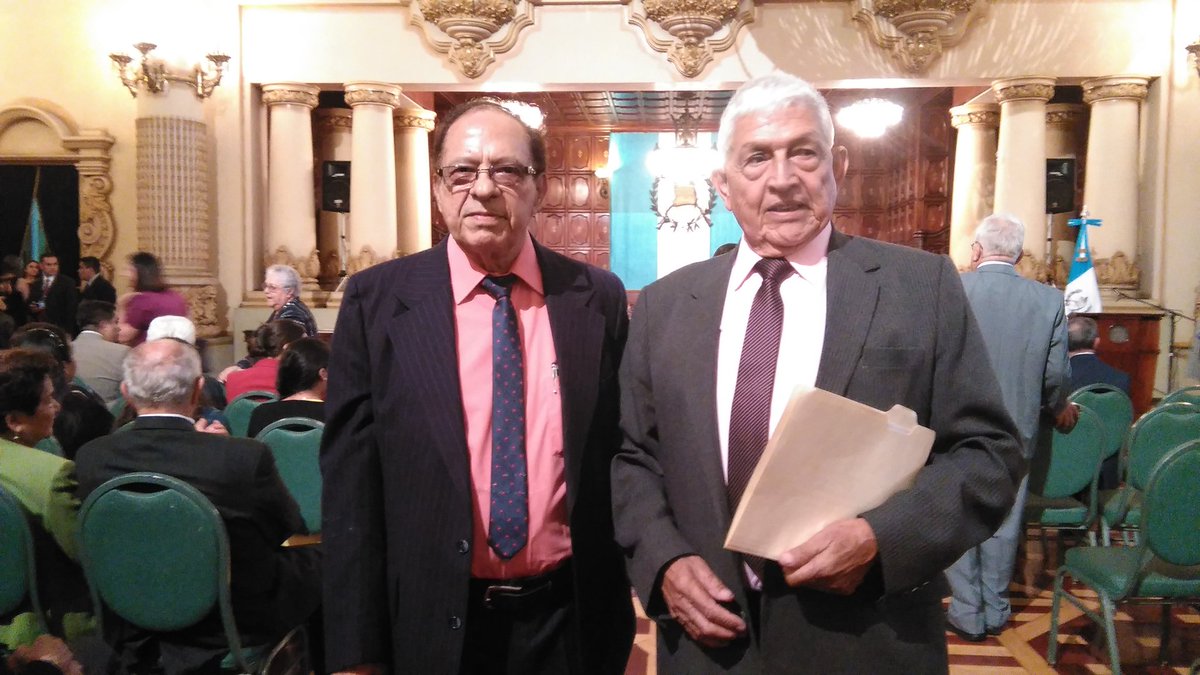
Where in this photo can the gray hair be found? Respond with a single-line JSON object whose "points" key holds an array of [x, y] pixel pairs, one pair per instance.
{"points": [[161, 373], [288, 275], [1001, 234], [1081, 333], [767, 94]]}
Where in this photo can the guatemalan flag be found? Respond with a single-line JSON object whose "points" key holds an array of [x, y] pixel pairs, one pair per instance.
{"points": [[661, 224], [1083, 291]]}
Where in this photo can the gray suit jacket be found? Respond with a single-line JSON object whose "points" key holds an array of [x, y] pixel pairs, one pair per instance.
{"points": [[1025, 330], [898, 330], [98, 363]]}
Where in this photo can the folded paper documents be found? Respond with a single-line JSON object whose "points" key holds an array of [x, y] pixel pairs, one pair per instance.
{"points": [[829, 459]]}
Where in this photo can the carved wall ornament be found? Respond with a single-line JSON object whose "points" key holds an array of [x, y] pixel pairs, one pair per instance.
{"points": [[1024, 89], [1064, 117], [409, 118], [202, 301], [334, 119], [690, 32], [471, 32], [366, 95], [1101, 89], [1119, 270], [290, 92], [88, 150], [308, 267], [987, 118], [1033, 267], [916, 32], [366, 257]]}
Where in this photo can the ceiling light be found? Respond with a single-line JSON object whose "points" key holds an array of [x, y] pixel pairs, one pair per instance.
{"points": [[870, 117]]}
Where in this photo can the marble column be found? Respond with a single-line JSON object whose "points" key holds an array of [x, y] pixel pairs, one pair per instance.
{"points": [[1021, 162], [174, 221], [414, 204], [1063, 141], [372, 229], [974, 174], [334, 142], [1111, 182], [291, 236]]}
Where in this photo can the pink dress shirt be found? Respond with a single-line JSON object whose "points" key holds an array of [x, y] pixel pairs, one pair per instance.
{"points": [[549, 534]]}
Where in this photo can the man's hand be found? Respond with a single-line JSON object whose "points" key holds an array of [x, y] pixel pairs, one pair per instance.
{"points": [[692, 593], [834, 560], [1065, 421], [224, 374], [213, 427]]}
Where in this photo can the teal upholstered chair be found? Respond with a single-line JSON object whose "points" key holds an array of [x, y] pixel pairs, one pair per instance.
{"points": [[1073, 467], [1184, 395], [1164, 567], [295, 443], [156, 554], [18, 568], [1151, 437], [239, 410], [1115, 411]]}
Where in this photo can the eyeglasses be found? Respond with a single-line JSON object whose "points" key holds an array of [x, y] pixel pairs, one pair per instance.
{"points": [[461, 177], [271, 287]]}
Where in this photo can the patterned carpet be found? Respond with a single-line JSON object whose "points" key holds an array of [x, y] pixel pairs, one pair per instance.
{"points": [[1022, 647]]}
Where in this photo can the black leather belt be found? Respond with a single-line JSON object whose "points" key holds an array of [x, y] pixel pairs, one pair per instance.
{"points": [[516, 595]]}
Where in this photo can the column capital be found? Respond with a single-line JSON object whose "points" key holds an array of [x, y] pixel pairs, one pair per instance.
{"points": [[1066, 114], [1024, 89], [334, 118], [983, 114], [420, 118], [1105, 88], [372, 93], [296, 93]]}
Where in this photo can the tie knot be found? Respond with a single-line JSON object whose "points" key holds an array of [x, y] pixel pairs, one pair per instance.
{"points": [[499, 287], [773, 269]]}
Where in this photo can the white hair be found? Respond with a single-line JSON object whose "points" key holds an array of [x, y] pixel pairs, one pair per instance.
{"points": [[1001, 234], [767, 94], [161, 373], [287, 275]]}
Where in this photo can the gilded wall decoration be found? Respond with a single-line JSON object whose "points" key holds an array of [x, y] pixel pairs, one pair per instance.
{"points": [[366, 257], [471, 32], [308, 266], [691, 32], [202, 301], [916, 32], [1118, 270], [1032, 267]]}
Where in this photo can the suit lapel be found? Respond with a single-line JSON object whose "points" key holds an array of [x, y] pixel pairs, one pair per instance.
{"points": [[422, 332], [578, 333], [851, 295]]}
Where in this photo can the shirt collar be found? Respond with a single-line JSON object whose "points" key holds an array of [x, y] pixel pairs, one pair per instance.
{"points": [[182, 417], [809, 262], [995, 262], [465, 276]]}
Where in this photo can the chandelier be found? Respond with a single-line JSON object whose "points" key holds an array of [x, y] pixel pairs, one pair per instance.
{"points": [[870, 117], [154, 74]]}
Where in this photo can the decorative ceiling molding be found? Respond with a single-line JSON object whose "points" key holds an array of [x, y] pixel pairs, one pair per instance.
{"points": [[690, 32], [472, 32], [917, 31]]}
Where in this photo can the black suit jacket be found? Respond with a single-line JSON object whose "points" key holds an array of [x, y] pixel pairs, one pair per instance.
{"points": [[898, 330], [60, 302], [397, 483], [1089, 369], [273, 589], [99, 289]]}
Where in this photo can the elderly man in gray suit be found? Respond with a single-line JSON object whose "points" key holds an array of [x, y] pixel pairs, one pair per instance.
{"points": [[1025, 331], [714, 352]]}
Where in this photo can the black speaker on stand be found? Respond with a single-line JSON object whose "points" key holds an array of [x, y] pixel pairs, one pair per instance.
{"points": [[1060, 185], [335, 187]]}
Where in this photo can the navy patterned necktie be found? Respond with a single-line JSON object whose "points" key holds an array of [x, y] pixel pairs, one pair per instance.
{"points": [[750, 415], [509, 512]]}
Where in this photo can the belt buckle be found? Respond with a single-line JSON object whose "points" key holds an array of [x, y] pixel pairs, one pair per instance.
{"points": [[488, 597]]}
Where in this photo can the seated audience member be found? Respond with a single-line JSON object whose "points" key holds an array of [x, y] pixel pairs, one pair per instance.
{"points": [[12, 301], [301, 384], [212, 397], [153, 298], [84, 414], [272, 336], [281, 285], [273, 589], [45, 486], [1083, 339], [98, 355]]}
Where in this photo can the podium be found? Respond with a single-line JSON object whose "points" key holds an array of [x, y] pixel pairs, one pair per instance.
{"points": [[1129, 342]]}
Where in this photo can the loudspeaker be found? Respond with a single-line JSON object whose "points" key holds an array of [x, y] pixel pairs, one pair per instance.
{"points": [[1060, 185], [335, 187]]}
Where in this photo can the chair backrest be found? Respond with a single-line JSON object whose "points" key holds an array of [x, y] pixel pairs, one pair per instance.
{"points": [[295, 443], [1115, 411], [1184, 395], [1156, 433], [18, 568], [1171, 515], [1074, 457], [239, 409], [51, 445], [155, 552]]}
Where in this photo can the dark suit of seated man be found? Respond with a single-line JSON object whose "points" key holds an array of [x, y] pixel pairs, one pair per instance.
{"points": [[1083, 337], [273, 589]]}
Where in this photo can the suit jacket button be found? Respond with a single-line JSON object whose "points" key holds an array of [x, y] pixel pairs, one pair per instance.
{"points": [[455, 623], [463, 546]]}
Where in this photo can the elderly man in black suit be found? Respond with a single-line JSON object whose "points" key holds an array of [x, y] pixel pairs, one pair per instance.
{"points": [[715, 350], [470, 421], [273, 589]]}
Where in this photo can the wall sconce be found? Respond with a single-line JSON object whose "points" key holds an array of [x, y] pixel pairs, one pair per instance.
{"points": [[153, 74], [1194, 50], [603, 175]]}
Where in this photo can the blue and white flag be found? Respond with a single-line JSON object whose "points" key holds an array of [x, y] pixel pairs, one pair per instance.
{"points": [[35, 234], [1082, 293], [659, 225]]}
